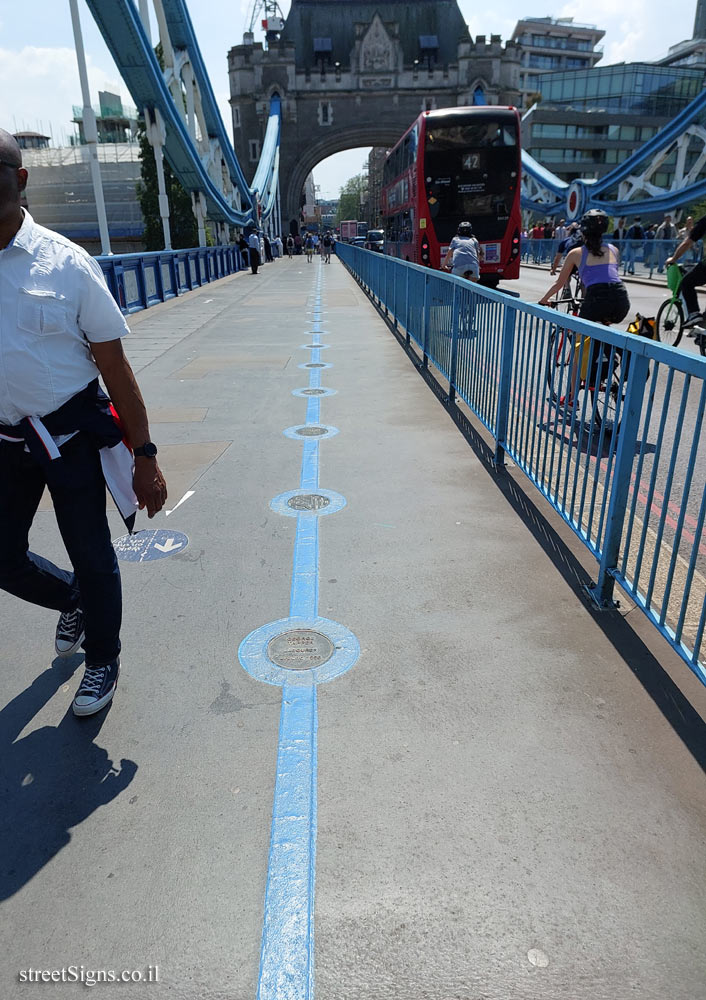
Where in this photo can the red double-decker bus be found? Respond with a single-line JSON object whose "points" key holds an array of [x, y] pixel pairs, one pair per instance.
{"points": [[456, 165]]}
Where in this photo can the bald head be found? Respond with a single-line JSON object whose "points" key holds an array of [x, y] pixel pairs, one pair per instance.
{"points": [[10, 151]]}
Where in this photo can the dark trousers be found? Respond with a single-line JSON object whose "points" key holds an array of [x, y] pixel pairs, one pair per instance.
{"points": [[696, 276], [79, 505], [254, 260]]}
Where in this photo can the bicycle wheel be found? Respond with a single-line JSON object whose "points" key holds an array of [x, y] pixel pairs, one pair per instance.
{"points": [[608, 393], [559, 361], [669, 322]]}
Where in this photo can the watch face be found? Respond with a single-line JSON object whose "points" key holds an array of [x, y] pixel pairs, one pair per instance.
{"points": [[148, 449]]}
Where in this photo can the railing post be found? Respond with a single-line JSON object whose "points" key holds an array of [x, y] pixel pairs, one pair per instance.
{"points": [[454, 345], [425, 321], [406, 307], [602, 593], [506, 358], [394, 292]]}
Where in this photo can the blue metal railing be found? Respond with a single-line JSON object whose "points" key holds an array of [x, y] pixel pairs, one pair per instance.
{"points": [[139, 280], [606, 425]]}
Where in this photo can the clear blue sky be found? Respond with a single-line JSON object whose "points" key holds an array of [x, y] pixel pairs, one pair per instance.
{"points": [[39, 80]]}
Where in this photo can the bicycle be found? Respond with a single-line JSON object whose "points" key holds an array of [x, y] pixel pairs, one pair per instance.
{"points": [[606, 383], [669, 322]]}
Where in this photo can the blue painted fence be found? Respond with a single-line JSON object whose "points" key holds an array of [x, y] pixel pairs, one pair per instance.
{"points": [[618, 454], [139, 280], [645, 258]]}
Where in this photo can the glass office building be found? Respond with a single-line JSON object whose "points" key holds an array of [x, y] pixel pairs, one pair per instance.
{"points": [[590, 121], [627, 88]]}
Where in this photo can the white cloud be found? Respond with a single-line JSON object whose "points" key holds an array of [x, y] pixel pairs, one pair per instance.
{"points": [[39, 86]]}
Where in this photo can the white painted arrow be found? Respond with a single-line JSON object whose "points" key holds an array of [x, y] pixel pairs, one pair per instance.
{"points": [[168, 546], [189, 493]]}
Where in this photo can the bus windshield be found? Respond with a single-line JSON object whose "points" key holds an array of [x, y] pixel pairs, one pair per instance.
{"points": [[471, 174]]}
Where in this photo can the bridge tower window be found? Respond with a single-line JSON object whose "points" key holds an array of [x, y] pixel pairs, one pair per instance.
{"points": [[325, 113], [236, 116], [254, 150]]}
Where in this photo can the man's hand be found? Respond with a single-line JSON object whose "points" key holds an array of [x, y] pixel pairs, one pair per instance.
{"points": [[149, 485]]}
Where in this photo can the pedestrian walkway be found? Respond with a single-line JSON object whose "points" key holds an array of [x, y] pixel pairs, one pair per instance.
{"points": [[481, 787]]}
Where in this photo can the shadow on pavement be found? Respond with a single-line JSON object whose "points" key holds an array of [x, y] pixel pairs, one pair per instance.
{"points": [[672, 703], [51, 779]]}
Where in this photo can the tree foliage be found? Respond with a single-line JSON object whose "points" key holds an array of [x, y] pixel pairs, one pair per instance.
{"points": [[354, 193]]}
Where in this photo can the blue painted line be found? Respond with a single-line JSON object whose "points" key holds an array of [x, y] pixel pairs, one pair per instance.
{"points": [[287, 956], [287, 953], [304, 597]]}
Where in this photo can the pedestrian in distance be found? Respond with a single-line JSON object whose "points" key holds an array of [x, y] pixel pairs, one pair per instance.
{"points": [[254, 251], [326, 248], [290, 246], [60, 328], [268, 248], [309, 247], [635, 238], [666, 236]]}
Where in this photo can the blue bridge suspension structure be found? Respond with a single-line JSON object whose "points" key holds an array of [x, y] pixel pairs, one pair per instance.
{"points": [[630, 189], [184, 124], [182, 118]]}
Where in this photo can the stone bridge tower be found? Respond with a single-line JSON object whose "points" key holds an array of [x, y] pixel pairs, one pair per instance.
{"points": [[357, 73]]}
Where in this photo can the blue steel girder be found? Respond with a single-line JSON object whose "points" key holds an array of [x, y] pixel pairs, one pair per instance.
{"points": [[124, 34], [629, 189]]}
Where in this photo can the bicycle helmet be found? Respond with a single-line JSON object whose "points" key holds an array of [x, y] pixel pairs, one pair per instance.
{"points": [[594, 221], [465, 229]]}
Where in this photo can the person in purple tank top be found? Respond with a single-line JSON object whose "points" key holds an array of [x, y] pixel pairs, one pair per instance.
{"points": [[605, 298]]}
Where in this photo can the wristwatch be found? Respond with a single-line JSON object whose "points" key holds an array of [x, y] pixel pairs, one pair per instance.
{"points": [[146, 450]]}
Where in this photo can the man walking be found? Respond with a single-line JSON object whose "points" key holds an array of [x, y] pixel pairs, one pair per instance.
{"points": [[254, 250], [59, 329]]}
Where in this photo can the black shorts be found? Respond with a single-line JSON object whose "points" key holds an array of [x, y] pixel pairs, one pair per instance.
{"points": [[605, 303]]}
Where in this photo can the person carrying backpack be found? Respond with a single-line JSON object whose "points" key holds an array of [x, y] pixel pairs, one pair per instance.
{"points": [[326, 249], [290, 246], [309, 247]]}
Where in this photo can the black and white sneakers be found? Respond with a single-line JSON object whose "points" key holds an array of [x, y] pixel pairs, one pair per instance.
{"points": [[97, 688], [69, 632]]}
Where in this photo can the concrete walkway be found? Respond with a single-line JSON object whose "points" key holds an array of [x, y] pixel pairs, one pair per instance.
{"points": [[511, 801]]}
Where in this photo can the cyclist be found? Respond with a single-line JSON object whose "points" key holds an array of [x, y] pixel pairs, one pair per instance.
{"points": [[573, 239], [694, 276], [465, 254], [606, 299]]}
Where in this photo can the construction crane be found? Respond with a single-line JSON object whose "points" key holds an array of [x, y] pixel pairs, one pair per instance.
{"points": [[270, 16]]}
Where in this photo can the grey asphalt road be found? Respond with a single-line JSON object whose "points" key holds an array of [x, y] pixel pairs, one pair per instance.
{"points": [[511, 799]]}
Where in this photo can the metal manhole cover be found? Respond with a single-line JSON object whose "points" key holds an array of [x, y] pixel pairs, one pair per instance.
{"points": [[313, 392], [300, 649], [312, 431], [308, 501]]}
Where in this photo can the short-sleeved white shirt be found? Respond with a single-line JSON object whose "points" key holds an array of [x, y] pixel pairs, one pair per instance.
{"points": [[53, 301]]}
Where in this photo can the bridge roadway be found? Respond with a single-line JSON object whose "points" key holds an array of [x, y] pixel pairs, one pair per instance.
{"points": [[511, 801]]}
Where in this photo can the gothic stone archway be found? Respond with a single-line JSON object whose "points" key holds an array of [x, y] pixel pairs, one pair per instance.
{"points": [[357, 73]]}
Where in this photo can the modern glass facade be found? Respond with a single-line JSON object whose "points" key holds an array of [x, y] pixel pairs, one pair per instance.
{"points": [[627, 88]]}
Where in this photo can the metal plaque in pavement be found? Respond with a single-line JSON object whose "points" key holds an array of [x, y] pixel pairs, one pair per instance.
{"points": [[300, 649], [152, 543]]}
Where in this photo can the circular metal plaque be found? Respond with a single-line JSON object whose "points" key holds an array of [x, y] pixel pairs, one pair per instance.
{"points": [[308, 501], [300, 649], [316, 364], [312, 431], [313, 392]]}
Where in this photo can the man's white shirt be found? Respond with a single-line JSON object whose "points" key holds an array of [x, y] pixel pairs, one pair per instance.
{"points": [[53, 302]]}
